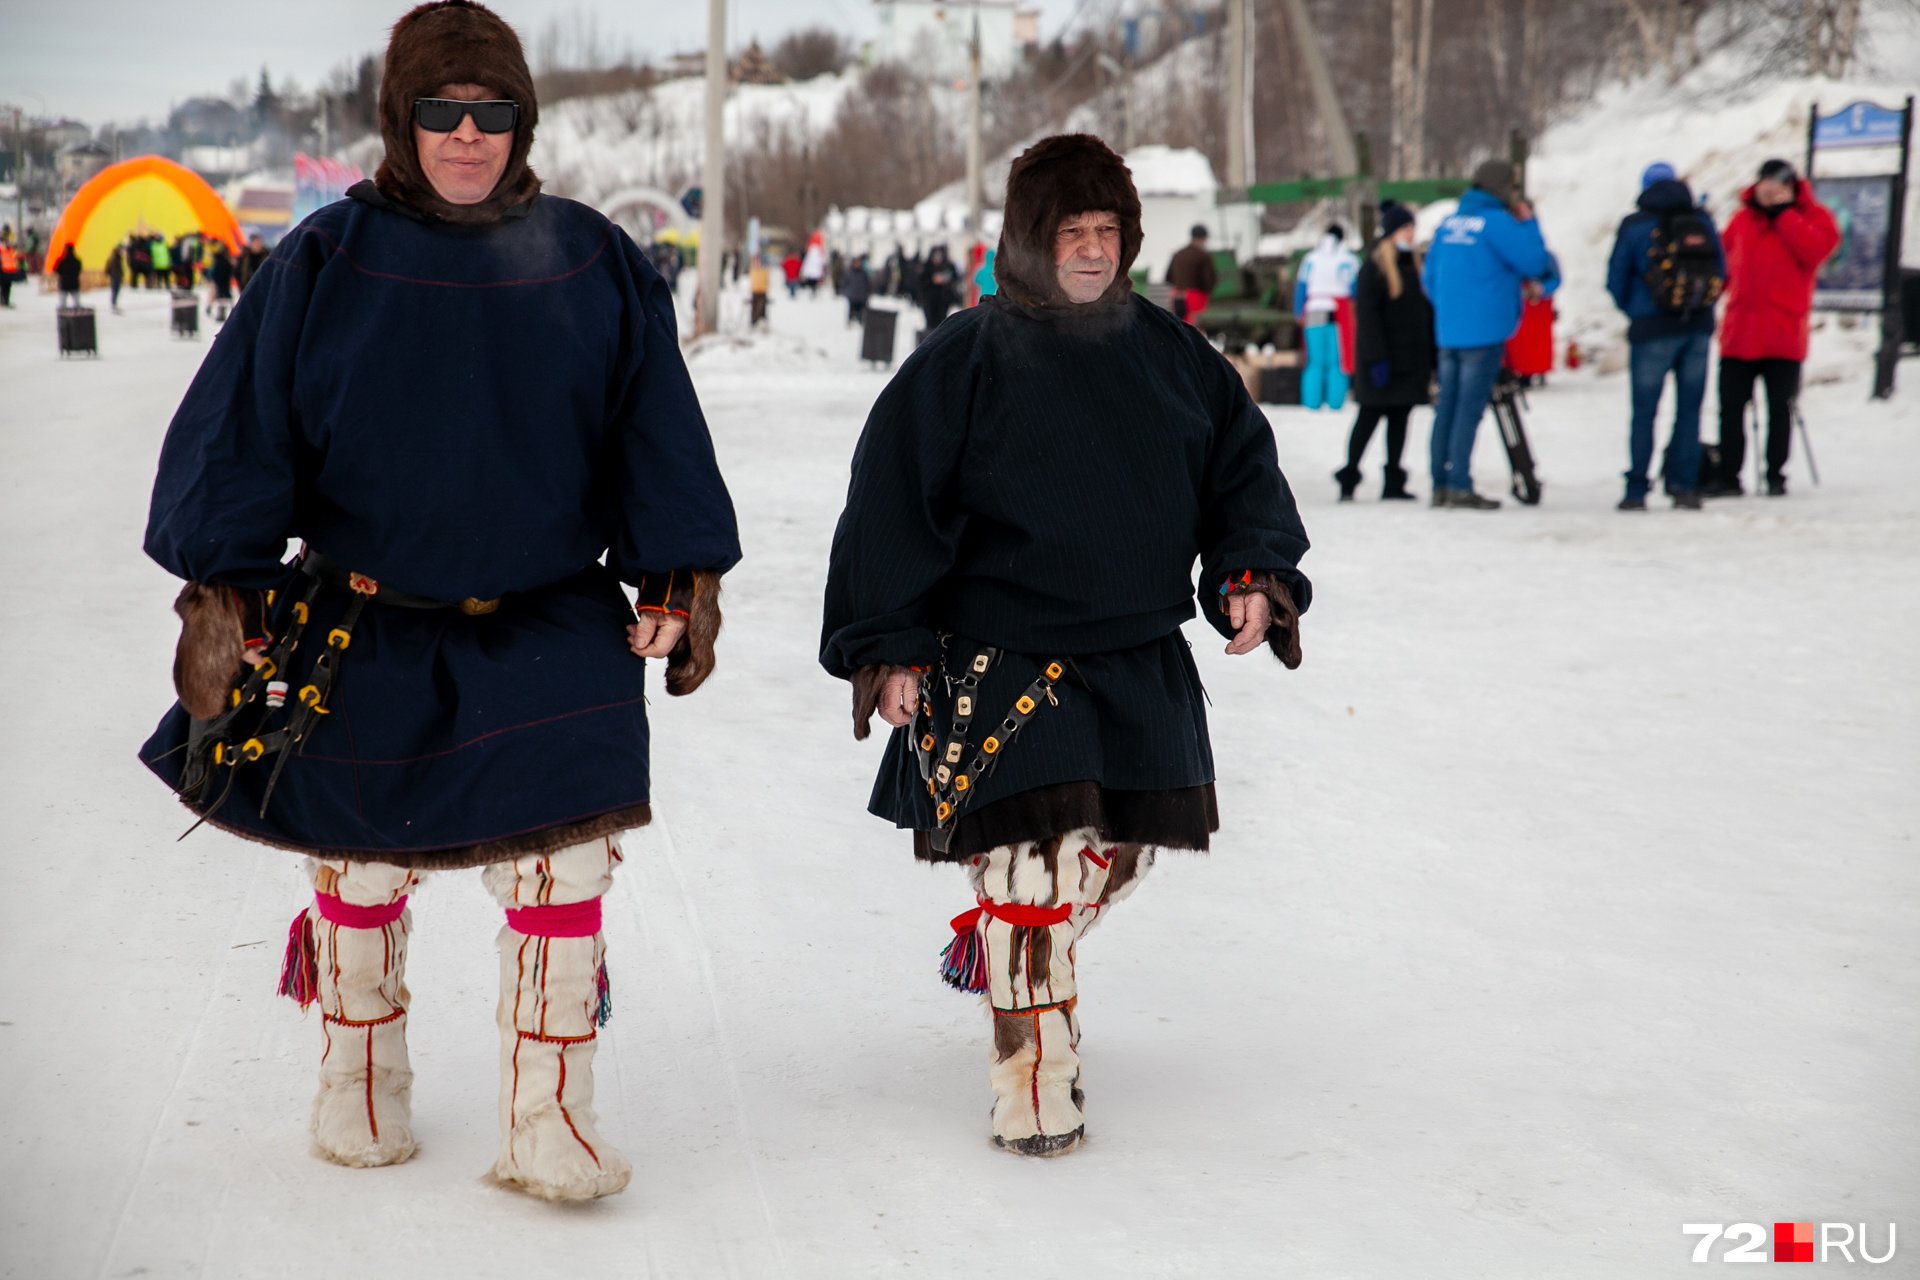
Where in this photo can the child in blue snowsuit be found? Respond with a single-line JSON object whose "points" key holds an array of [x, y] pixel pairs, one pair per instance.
{"points": [[1326, 275]]}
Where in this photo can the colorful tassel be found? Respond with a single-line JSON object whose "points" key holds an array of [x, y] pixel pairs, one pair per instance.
{"points": [[603, 1011], [300, 970], [963, 965]]}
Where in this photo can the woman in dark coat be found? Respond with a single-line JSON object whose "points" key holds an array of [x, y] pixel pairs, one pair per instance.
{"points": [[938, 290], [1007, 587], [466, 399], [1393, 350]]}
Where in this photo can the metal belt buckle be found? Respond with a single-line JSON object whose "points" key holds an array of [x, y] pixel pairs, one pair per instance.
{"points": [[474, 608]]}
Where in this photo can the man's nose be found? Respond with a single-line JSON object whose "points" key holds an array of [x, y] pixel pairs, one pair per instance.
{"points": [[468, 130]]}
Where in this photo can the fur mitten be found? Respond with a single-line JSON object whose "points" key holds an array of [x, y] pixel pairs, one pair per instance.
{"points": [[213, 638], [692, 660], [1283, 633], [869, 683]]}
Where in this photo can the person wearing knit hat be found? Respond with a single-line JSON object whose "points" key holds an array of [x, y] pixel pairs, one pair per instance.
{"points": [[1776, 242], [466, 399], [1658, 171], [1666, 273], [1393, 350], [1007, 586], [1481, 258]]}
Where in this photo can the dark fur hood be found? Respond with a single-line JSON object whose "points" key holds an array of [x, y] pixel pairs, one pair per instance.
{"points": [[453, 42], [1054, 179]]}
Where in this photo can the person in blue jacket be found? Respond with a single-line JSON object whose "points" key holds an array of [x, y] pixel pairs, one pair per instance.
{"points": [[466, 401], [1481, 258], [1662, 336]]}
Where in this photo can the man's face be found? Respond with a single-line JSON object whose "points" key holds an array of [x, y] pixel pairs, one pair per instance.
{"points": [[464, 166], [1086, 255], [1772, 194]]}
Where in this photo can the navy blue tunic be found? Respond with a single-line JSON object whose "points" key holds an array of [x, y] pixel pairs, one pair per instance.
{"points": [[490, 412], [1043, 481]]}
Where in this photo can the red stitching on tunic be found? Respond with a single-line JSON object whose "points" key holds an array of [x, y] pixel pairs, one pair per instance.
{"points": [[559, 1100]]}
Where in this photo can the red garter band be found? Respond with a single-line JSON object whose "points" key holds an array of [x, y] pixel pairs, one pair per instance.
{"points": [[335, 910], [1013, 913], [573, 920]]}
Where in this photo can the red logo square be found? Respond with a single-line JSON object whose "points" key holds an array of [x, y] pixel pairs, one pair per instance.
{"points": [[1793, 1242]]}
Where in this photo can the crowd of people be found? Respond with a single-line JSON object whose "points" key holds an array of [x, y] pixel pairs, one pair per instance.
{"points": [[146, 260], [1446, 325]]}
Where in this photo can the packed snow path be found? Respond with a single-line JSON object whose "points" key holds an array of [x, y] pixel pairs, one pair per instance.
{"points": [[1565, 895]]}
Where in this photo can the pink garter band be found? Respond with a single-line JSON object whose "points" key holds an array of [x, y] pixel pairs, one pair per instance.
{"points": [[335, 910], [572, 920]]}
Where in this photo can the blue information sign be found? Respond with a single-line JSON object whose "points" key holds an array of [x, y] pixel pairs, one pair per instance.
{"points": [[1858, 124]]}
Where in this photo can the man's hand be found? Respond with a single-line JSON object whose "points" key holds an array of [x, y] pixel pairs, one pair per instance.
{"points": [[898, 698], [1249, 613], [655, 634], [1521, 210]]}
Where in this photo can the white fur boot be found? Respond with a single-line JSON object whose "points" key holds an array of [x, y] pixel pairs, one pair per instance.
{"points": [[552, 997], [1038, 899], [359, 924]]}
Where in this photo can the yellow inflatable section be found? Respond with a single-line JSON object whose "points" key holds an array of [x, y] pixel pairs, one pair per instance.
{"points": [[147, 193]]}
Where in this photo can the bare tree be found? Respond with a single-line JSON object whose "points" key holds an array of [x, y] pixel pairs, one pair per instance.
{"points": [[812, 51]]}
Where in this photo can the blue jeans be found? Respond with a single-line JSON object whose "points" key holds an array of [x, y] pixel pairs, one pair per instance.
{"points": [[1686, 356], [1324, 382], [1467, 376]]}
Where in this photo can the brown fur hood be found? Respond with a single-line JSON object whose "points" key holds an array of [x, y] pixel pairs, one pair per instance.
{"points": [[1054, 179], [453, 42]]}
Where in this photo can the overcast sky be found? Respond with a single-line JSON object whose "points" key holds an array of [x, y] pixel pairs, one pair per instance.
{"points": [[119, 60]]}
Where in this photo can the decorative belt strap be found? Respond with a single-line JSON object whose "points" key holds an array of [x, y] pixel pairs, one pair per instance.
{"points": [[337, 910], [335, 574], [568, 920], [950, 785]]}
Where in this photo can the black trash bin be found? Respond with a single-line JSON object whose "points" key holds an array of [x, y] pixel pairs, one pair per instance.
{"points": [[76, 332], [876, 335], [186, 313]]}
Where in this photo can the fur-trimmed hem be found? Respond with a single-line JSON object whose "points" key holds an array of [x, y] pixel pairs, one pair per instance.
{"points": [[1176, 818], [545, 840]]}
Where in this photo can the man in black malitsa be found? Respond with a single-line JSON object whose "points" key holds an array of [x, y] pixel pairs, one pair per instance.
{"points": [[1007, 588], [466, 400]]}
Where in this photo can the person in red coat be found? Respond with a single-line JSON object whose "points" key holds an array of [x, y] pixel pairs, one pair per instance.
{"points": [[1775, 244]]}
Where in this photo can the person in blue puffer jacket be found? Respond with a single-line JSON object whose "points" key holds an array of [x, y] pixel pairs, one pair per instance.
{"points": [[1662, 338], [1480, 259]]}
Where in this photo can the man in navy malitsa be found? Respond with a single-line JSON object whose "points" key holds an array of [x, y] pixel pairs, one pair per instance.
{"points": [[1007, 587], [466, 401]]}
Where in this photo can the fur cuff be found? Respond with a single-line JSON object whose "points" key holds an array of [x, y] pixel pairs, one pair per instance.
{"points": [[868, 683], [207, 660], [692, 660], [1283, 633]]}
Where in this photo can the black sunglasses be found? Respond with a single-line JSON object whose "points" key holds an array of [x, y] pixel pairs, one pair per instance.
{"points": [[443, 115]]}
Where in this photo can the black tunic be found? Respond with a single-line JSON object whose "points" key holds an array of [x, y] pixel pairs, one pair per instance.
{"points": [[1043, 481], [1398, 330]]}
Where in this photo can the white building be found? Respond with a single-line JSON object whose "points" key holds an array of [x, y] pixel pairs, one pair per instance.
{"points": [[933, 37], [1176, 189]]}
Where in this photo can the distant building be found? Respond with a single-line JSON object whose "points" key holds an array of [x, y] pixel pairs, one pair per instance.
{"points": [[934, 38], [754, 67], [79, 161]]}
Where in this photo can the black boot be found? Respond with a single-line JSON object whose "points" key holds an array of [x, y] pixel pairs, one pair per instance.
{"points": [[1393, 486], [1349, 478]]}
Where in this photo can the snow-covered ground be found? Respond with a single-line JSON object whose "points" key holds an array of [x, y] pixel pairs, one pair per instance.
{"points": [[1565, 895]]}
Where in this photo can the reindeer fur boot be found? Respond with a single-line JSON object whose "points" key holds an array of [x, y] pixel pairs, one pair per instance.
{"points": [[553, 996], [349, 952], [1036, 900]]}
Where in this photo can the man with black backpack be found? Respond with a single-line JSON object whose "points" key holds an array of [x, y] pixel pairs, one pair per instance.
{"points": [[1666, 273]]}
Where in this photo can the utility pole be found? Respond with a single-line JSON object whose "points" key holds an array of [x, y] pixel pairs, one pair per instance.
{"points": [[713, 194], [1326, 103], [19, 186], [975, 198], [1236, 122], [1122, 75]]}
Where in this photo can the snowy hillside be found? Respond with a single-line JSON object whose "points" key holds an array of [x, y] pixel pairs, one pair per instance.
{"points": [[1585, 172], [588, 148]]}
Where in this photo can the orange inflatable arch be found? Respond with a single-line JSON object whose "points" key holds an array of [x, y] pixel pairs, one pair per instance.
{"points": [[148, 193]]}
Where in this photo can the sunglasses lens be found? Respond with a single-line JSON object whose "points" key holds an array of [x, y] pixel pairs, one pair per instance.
{"points": [[438, 115], [495, 117], [443, 115]]}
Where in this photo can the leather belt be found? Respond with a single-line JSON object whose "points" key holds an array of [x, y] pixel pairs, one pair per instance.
{"points": [[335, 574]]}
